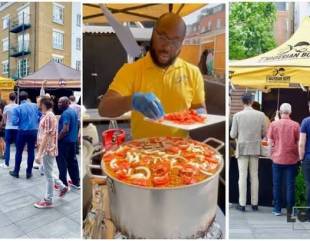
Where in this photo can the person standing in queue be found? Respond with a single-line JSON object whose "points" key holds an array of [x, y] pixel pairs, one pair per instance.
{"points": [[10, 129], [283, 136], [157, 83], [248, 128], [304, 154], [67, 138], [26, 116]]}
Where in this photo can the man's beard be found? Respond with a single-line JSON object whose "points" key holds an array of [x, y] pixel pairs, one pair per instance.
{"points": [[156, 61]]}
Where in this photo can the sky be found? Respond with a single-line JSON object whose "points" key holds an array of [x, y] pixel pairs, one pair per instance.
{"points": [[192, 18]]}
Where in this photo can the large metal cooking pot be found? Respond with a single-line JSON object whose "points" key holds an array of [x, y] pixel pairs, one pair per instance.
{"points": [[179, 212]]}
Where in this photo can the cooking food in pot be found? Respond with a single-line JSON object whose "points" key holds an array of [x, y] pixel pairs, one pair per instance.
{"points": [[162, 162], [187, 117]]}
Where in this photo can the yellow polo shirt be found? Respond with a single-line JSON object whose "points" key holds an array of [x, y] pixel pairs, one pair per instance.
{"points": [[177, 87]]}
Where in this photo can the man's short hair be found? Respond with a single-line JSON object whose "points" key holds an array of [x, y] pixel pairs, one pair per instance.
{"points": [[286, 108], [23, 95], [47, 101], [256, 106], [12, 96], [247, 98], [72, 98]]}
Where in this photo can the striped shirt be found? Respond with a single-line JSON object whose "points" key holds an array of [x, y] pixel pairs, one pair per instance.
{"points": [[48, 126]]}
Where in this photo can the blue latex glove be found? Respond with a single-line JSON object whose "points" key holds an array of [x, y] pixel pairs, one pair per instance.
{"points": [[147, 104], [201, 111]]}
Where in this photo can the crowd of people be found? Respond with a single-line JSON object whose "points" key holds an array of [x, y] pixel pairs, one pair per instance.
{"points": [[52, 138], [288, 144]]}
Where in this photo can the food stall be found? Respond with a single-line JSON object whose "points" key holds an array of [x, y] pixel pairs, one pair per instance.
{"points": [[282, 75], [165, 209], [55, 78]]}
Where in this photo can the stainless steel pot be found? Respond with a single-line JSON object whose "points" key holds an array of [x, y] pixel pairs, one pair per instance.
{"points": [[180, 212]]}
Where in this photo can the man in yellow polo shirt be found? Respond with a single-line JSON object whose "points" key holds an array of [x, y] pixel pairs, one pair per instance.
{"points": [[156, 84]]}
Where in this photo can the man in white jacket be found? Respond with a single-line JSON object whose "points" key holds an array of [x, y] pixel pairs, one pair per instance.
{"points": [[248, 128]]}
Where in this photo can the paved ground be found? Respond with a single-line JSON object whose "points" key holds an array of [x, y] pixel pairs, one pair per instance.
{"points": [[263, 224], [18, 217]]}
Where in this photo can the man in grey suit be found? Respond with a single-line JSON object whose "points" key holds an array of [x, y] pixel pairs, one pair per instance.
{"points": [[248, 128]]}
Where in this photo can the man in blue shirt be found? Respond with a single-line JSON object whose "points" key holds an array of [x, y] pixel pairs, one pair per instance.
{"points": [[26, 117], [304, 153], [10, 129], [67, 138]]}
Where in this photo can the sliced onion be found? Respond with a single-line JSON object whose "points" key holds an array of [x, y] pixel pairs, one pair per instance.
{"points": [[147, 174], [205, 172], [113, 164], [138, 176], [194, 164]]}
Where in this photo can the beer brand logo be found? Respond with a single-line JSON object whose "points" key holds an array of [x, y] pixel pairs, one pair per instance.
{"points": [[278, 75]]}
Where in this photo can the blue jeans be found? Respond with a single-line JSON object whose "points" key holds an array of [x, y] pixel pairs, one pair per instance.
{"points": [[10, 137], [289, 173], [28, 137], [67, 162], [306, 170]]}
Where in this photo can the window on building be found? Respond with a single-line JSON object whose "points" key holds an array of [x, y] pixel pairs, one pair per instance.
{"points": [[58, 58], [209, 25], [282, 6], [5, 44], [217, 9], [218, 23], [78, 43], [5, 67], [23, 42], [24, 16], [58, 40], [78, 65], [78, 20], [22, 68], [58, 13], [5, 21]]}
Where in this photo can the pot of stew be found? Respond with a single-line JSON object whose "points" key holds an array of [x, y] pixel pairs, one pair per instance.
{"points": [[163, 187]]}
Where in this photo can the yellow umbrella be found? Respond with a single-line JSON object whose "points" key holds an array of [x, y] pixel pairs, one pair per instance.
{"points": [[6, 83], [92, 13], [287, 66]]}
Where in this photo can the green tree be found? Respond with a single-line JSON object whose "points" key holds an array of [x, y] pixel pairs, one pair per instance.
{"points": [[251, 29]]}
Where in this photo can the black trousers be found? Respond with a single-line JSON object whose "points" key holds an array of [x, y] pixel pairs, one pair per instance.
{"points": [[67, 162]]}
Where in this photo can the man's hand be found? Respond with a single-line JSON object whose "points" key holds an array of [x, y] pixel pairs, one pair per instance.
{"points": [[147, 104], [201, 111], [38, 159]]}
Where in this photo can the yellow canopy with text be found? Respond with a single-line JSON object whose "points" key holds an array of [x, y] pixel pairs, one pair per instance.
{"points": [[92, 13], [286, 66], [6, 83]]}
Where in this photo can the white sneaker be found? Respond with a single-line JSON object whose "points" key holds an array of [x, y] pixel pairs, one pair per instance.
{"points": [[4, 166]]}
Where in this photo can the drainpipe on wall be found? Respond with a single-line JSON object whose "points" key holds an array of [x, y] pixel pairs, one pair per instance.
{"points": [[35, 36]]}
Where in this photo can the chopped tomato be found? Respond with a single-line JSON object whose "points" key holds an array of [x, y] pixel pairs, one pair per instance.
{"points": [[185, 117], [108, 157], [123, 164], [211, 160], [121, 174], [134, 164], [189, 155], [160, 169], [120, 154], [139, 181], [188, 180], [161, 180], [172, 149]]}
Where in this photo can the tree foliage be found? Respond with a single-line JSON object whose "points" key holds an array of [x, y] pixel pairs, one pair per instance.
{"points": [[251, 28]]}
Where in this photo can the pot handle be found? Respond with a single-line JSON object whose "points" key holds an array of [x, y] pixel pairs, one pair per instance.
{"points": [[212, 139], [93, 176], [97, 153]]}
